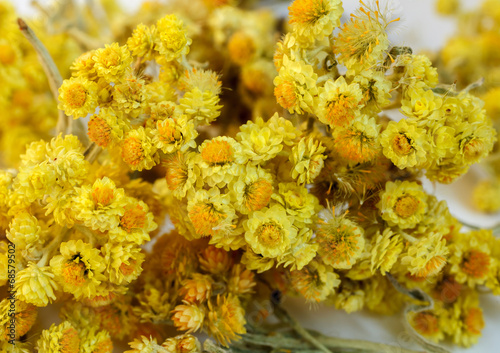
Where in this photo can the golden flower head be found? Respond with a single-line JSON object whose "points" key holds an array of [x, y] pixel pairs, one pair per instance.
{"points": [[112, 62], [78, 97], [226, 319], [307, 159], [142, 41], [188, 317], [427, 256], [138, 151], [196, 289], [252, 190], [36, 285], [62, 338], [385, 251], [315, 282], [172, 40]]}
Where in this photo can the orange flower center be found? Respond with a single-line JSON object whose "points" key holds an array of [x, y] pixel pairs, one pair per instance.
{"points": [[425, 323], [474, 321], [205, 218], [449, 290], [270, 234], [401, 144], [103, 196], [73, 273], [132, 152], [75, 95], [133, 218], [105, 346], [168, 132], [99, 131], [70, 342], [406, 206], [258, 194], [127, 270], [473, 150], [25, 320], [476, 264], [306, 11], [285, 94], [339, 112], [241, 48], [217, 152]]}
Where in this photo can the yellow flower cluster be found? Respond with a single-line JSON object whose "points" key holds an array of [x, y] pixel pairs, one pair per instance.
{"points": [[281, 175]]}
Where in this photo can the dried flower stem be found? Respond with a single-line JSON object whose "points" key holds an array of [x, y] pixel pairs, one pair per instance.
{"points": [[52, 245], [50, 68]]}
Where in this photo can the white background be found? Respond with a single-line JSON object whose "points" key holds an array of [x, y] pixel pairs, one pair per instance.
{"points": [[421, 29]]}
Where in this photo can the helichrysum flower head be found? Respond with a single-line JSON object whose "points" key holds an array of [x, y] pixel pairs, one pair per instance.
{"points": [[405, 144], [295, 86], [241, 47], [106, 129], [78, 97], [314, 19], [226, 319], [385, 251], [112, 62], [24, 231], [172, 40], [93, 340], [79, 268], [142, 42], [36, 285], [417, 68], [269, 232], [363, 40], [252, 190], [123, 262], [376, 90], [338, 102], [475, 142], [201, 106], [210, 212], [101, 205], [315, 282], [262, 141], [220, 159], [298, 202], [204, 80], [255, 262], [215, 260], [173, 135], [471, 258], [188, 317], [197, 289], [138, 150], [146, 345], [422, 105], [307, 159], [62, 338], [427, 256], [427, 324], [135, 224], [403, 204], [359, 142], [241, 281], [25, 316], [130, 97], [340, 240]]}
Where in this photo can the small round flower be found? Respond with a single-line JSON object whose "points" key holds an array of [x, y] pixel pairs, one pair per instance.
{"points": [[295, 86], [241, 281], [83, 66], [188, 317], [385, 251], [422, 105], [315, 282], [314, 19], [403, 204], [62, 338], [135, 224], [405, 144], [471, 258], [182, 344], [36, 285], [363, 40], [24, 231], [340, 240], [298, 202], [106, 129], [307, 159], [172, 40], [138, 151], [197, 289], [226, 319], [123, 262], [112, 62], [376, 88], [209, 212], [142, 42], [241, 47], [94, 340], [79, 268], [427, 256], [262, 141], [252, 190], [78, 97], [100, 206], [269, 232], [476, 140], [173, 135], [146, 345], [417, 69], [131, 97], [25, 316], [339, 102], [359, 142], [215, 260], [201, 106], [426, 323], [220, 160]]}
